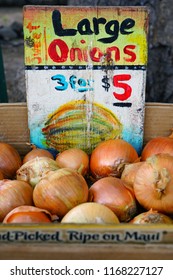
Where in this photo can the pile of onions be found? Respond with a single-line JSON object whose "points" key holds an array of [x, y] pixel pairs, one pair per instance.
{"points": [[158, 145], [14, 193], [28, 214], [36, 152], [129, 172], [33, 170], [10, 160], [90, 213], [110, 156], [151, 217], [153, 184], [74, 158], [60, 190], [112, 192]]}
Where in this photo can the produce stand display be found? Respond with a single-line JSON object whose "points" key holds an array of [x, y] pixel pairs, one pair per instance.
{"points": [[67, 241], [93, 89]]}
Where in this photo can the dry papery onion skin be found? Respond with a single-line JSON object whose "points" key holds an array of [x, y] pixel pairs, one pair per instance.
{"points": [[10, 160], [74, 158], [28, 214], [151, 217], [109, 158], [90, 213], [36, 152], [60, 190], [129, 172], [14, 193], [33, 170], [153, 184], [113, 193]]}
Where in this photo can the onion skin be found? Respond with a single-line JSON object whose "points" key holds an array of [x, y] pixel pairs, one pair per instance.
{"points": [[60, 190], [33, 170], [158, 145], [112, 192], [74, 158], [90, 213], [1, 176], [27, 214], [151, 217], [36, 152], [129, 172], [14, 193], [109, 158], [153, 184], [10, 160]]}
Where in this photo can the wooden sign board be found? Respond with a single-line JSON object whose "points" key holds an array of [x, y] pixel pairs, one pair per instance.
{"points": [[86, 234], [85, 75]]}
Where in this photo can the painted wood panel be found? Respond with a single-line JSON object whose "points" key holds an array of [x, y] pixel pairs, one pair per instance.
{"points": [[85, 75]]}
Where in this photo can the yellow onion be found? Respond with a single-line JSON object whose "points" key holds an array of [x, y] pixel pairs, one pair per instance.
{"points": [[10, 160], [158, 145], [28, 214], [1, 175], [153, 184], [74, 158], [33, 170], [90, 213], [112, 192], [129, 172], [14, 193], [60, 190], [36, 152], [110, 156], [151, 217]]}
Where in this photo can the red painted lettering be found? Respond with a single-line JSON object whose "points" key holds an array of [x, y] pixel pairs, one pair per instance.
{"points": [[36, 36], [59, 52], [73, 51], [127, 89], [127, 50], [96, 51], [32, 27], [39, 60], [63, 49], [115, 50]]}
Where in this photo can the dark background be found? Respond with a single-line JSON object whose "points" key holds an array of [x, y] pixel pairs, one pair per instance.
{"points": [[159, 86]]}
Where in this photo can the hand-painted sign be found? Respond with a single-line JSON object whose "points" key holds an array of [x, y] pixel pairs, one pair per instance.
{"points": [[85, 75]]}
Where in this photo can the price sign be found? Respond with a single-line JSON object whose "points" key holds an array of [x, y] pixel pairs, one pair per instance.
{"points": [[85, 75]]}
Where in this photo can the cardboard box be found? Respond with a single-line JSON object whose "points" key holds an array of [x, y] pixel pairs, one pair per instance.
{"points": [[66, 241]]}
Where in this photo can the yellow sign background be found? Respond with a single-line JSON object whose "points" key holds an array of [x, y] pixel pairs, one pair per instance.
{"points": [[39, 35]]}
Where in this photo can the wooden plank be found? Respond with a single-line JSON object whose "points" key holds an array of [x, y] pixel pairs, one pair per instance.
{"points": [[83, 252], [82, 81], [102, 251], [58, 233]]}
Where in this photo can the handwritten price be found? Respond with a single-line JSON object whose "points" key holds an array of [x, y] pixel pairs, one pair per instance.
{"points": [[118, 81], [106, 85], [83, 85]]}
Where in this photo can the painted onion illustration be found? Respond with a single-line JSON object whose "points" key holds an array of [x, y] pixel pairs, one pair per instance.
{"points": [[80, 124]]}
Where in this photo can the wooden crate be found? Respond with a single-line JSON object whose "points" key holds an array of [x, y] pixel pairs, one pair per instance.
{"points": [[66, 241]]}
